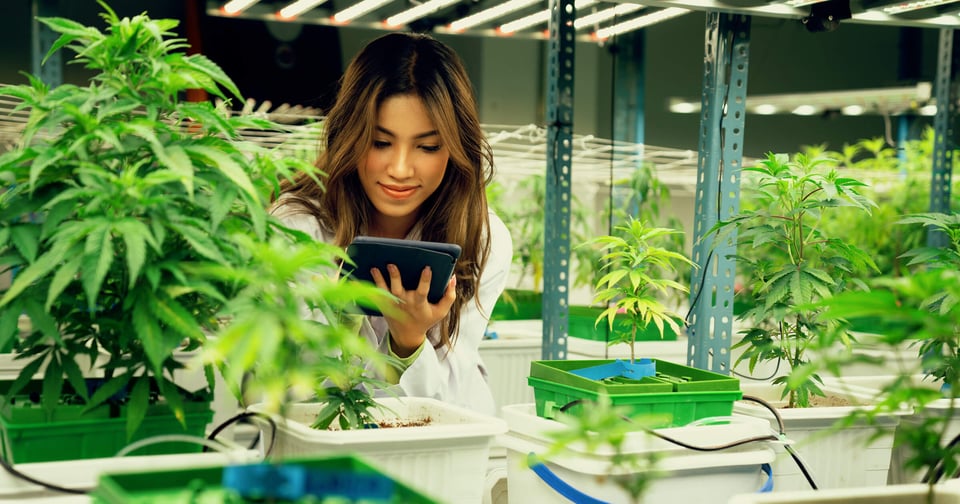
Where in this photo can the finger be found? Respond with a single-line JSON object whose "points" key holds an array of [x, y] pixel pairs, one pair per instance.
{"points": [[396, 284], [426, 277], [449, 295], [378, 278]]}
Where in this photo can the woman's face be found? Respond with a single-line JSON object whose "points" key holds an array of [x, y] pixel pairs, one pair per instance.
{"points": [[404, 166]]}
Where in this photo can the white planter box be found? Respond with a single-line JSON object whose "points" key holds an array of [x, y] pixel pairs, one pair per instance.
{"points": [[691, 476], [896, 494], [507, 359], [899, 473], [84, 474], [445, 460], [850, 457]]}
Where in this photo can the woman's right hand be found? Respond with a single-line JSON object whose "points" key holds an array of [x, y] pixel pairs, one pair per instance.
{"points": [[413, 315]]}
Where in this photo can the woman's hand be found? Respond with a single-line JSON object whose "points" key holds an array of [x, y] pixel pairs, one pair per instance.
{"points": [[415, 315]]}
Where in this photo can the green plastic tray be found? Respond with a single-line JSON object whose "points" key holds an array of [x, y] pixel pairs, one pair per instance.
{"points": [[515, 304], [581, 323], [677, 395], [203, 485], [26, 435]]}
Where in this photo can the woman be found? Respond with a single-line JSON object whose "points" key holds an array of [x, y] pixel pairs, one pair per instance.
{"points": [[404, 157]]}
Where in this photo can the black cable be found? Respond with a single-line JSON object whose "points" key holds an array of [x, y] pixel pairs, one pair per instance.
{"points": [[677, 442], [30, 479], [936, 471], [242, 416], [782, 430]]}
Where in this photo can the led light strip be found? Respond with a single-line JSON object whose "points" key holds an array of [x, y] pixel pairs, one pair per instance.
{"points": [[912, 6], [640, 22], [237, 6], [802, 3], [491, 13], [299, 7], [537, 18], [605, 14], [357, 10], [417, 12]]}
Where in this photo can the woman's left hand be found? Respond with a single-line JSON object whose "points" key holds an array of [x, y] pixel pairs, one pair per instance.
{"points": [[413, 314]]}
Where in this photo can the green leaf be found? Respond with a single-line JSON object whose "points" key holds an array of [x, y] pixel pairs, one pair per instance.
{"points": [[205, 65], [176, 317], [177, 161], [62, 278], [171, 393], [226, 165], [155, 345], [92, 278], [52, 386], [137, 407], [9, 325], [75, 377], [26, 238], [200, 241], [44, 159], [32, 273], [26, 376], [107, 390], [133, 233]]}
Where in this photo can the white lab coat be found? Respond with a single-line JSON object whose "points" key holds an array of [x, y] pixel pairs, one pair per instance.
{"points": [[457, 376]]}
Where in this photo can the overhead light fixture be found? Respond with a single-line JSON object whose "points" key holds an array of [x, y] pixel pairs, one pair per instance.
{"points": [[605, 14], [237, 6], [928, 110], [902, 7], [537, 18], [358, 9], [299, 7], [683, 107], [490, 14], [802, 3], [852, 110], [415, 13], [640, 22], [765, 109], [888, 101]]}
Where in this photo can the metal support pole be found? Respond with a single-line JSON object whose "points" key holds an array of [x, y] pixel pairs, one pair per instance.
{"points": [[41, 40], [556, 260], [722, 114], [944, 140]]}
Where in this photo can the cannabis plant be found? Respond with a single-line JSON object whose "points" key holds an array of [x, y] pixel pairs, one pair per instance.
{"points": [[792, 261], [115, 192], [632, 284], [292, 331]]}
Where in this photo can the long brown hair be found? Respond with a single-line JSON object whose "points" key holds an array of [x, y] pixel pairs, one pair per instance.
{"points": [[417, 65]]}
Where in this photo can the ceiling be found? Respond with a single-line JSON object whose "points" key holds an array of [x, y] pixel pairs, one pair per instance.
{"points": [[442, 16]]}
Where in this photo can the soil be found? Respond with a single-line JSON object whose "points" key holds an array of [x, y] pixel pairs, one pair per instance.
{"points": [[403, 422], [827, 402]]}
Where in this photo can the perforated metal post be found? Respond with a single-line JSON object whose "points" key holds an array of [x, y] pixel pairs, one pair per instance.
{"points": [[41, 40], [722, 114], [944, 131], [556, 260]]}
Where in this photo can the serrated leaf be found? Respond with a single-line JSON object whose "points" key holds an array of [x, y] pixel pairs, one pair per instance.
{"points": [[76, 378], [107, 390], [62, 278], [32, 273], [137, 406], [148, 331], [175, 158], [199, 241], [225, 165], [176, 317], [26, 238], [26, 376], [136, 252], [52, 386]]}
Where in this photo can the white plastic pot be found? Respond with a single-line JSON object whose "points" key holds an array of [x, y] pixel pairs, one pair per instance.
{"points": [[895, 494], [836, 458], [688, 475], [445, 460]]}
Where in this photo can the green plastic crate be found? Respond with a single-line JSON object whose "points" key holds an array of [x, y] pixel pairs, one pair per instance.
{"points": [[678, 394], [204, 485], [518, 304], [582, 323], [27, 435]]}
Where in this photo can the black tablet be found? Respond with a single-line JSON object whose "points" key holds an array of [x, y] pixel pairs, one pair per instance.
{"points": [[410, 257]]}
